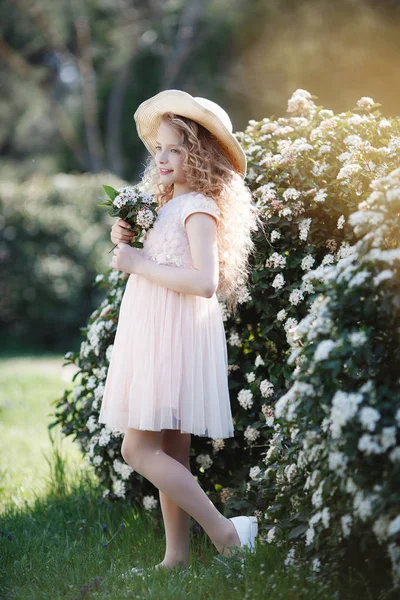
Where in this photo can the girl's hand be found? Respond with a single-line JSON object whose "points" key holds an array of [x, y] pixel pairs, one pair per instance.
{"points": [[127, 259], [121, 233]]}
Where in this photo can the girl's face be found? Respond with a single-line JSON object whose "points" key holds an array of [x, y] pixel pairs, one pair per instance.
{"points": [[169, 157]]}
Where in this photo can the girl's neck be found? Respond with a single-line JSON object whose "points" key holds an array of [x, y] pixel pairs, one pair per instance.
{"points": [[180, 189]]}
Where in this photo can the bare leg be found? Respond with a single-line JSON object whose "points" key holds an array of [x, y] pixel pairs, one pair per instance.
{"points": [[176, 520], [143, 452]]}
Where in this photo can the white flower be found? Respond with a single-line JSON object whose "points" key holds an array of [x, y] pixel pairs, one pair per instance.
{"points": [[149, 502], [357, 338], [296, 296], [301, 102], [106, 493], [388, 437], [122, 468], [78, 389], [109, 352], [382, 276], [275, 235], [275, 260], [290, 557], [310, 533], [395, 455], [358, 279], [394, 526], [316, 498], [290, 324], [307, 262], [325, 517], [271, 535], [91, 382], [320, 195], [348, 171], [323, 350], [245, 398], [346, 521], [365, 102], [328, 259], [337, 461], [218, 444], [304, 227], [316, 565], [341, 221], [281, 315], [291, 194], [97, 460], [119, 488], [369, 417], [266, 388], [204, 460], [254, 471], [105, 436], [251, 434], [290, 471], [362, 505], [380, 528], [384, 123], [250, 377], [234, 339], [279, 281], [92, 424], [259, 361], [352, 140], [369, 445], [344, 408]]}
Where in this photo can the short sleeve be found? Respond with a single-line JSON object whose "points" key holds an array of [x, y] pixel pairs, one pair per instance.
{"points": [[199, 203]]}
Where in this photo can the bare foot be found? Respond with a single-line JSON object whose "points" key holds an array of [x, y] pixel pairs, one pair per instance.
{"points": [[171, 565], [232, 540]]}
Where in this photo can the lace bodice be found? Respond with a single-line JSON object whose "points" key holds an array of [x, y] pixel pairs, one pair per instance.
{"points": [[167, 241]]}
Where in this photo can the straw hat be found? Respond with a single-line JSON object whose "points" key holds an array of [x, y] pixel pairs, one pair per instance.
{"points": [[209, 114]]}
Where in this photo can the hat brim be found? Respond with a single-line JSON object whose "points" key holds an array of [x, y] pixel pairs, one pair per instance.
{"points": [[148, 117]]}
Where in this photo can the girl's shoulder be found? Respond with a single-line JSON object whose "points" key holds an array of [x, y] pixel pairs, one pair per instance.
{"points": [[198, 202]]}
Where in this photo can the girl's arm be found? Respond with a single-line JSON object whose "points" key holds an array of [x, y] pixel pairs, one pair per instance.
{"points": [[201, 229]]}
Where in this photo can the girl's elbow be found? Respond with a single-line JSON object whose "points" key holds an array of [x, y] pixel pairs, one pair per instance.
{"points": [[211, 288]]}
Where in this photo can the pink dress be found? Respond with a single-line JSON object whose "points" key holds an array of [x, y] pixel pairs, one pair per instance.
{"points": [[169, 362]]}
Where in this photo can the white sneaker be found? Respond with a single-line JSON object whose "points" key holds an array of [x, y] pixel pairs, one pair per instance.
{"points": [[247, 530]]}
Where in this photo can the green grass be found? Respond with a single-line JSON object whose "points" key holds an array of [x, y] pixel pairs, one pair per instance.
{"points": [[60, 539]]}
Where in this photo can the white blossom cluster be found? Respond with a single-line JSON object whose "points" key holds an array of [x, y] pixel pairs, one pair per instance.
{"points": [[145, 218], [131, 194], [204, 460], [149, 502]]}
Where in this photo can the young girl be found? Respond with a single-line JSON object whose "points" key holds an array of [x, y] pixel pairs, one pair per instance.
{"points": [[168, 373]]}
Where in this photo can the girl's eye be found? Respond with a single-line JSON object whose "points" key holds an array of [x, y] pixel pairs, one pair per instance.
{"points": [[172, 149]]}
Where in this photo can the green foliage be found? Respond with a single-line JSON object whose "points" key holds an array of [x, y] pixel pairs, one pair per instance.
{"points": [[53, 242]]}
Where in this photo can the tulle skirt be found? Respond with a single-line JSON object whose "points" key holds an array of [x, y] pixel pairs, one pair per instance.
{"points": [[169, 364]]}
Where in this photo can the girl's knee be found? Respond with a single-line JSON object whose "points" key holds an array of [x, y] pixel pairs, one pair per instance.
{"points": [[137, 444]]}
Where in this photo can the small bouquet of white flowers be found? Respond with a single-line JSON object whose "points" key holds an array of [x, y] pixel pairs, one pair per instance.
{"points": [[132, 205]]}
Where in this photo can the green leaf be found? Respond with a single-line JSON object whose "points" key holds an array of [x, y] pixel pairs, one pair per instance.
{"points": [[297, 531], [110, 191]]}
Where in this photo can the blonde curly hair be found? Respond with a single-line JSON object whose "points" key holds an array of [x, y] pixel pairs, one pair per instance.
{"points": [[209, 170]]}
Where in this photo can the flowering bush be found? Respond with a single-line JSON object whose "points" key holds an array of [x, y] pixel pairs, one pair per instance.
{"points": [[336, 469], [308, 171]]}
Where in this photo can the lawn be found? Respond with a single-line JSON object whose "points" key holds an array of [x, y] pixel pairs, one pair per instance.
{"points": [[60, 539]]}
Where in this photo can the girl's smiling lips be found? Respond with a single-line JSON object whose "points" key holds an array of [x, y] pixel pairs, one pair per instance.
{"points": [[164, 171]]}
